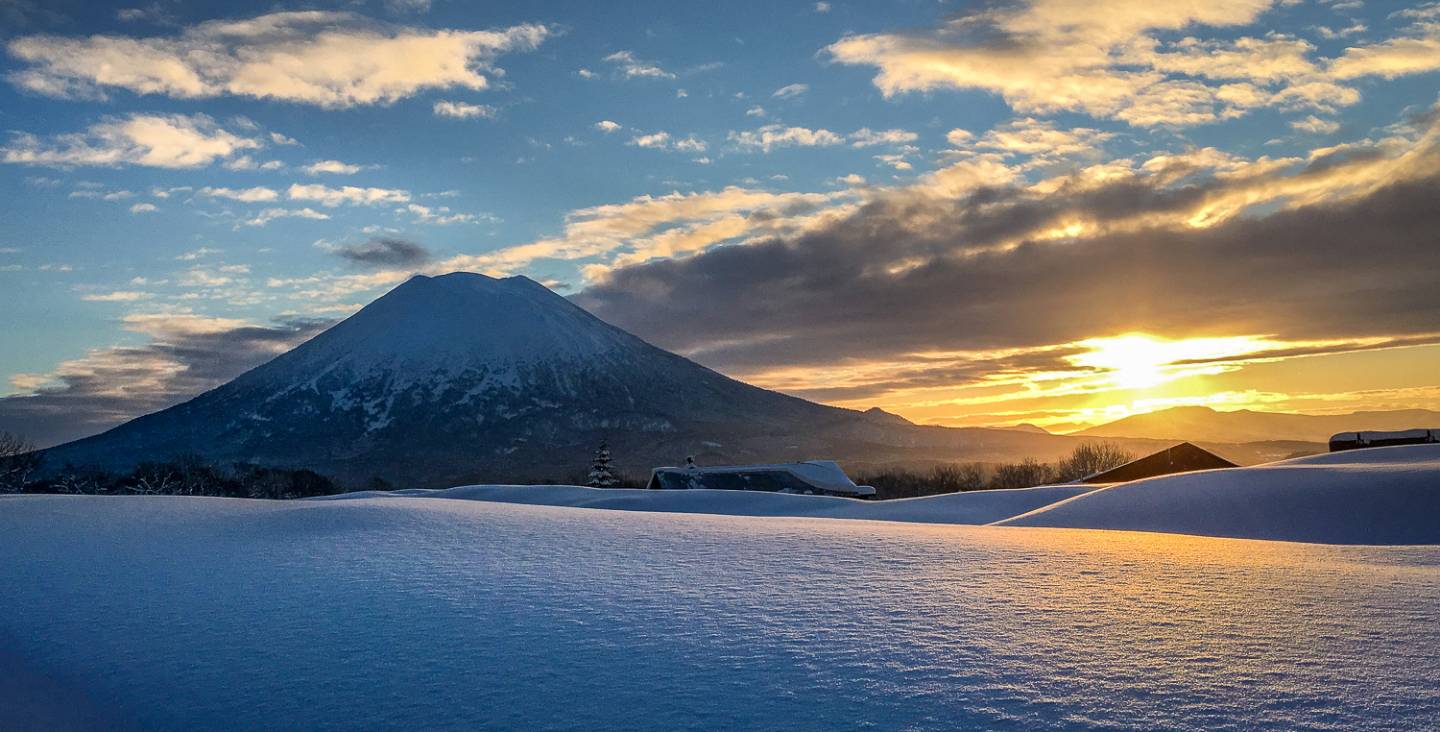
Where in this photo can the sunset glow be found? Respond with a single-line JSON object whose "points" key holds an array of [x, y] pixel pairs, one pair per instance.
{"points": [[1140, 361], [967, 213]]}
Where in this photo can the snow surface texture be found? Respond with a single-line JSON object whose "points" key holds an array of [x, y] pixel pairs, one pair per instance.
{"points": [[410, 613], [1384, 495], [979, 507]]}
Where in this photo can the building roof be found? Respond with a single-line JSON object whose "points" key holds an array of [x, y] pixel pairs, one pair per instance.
{"points": [[823, 474], [1181, 458]]}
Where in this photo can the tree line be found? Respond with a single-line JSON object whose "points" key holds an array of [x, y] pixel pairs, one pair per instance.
{"points": [[1086, 459], [186, 475], [191, 475]]}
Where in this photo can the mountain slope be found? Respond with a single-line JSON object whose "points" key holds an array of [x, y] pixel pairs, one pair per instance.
{"points": [[448, 373], [1205, 424], [463, 378]]}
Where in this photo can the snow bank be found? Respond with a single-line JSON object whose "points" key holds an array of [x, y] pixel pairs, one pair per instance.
{"points": [[1385, 495], [197, 614], [976, 507]]}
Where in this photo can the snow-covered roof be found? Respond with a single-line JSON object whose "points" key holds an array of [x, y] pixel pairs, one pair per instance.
{"points": [[825, 474], [1376, 435]]}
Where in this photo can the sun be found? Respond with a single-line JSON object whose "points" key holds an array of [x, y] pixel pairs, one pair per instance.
{"points": [[1144, 361], [1133, 361]]}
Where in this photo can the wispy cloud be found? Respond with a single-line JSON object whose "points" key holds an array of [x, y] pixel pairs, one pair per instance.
{"points": [[329, 59], [770, 137], [331, 167], [346, 195], [270, 214], [160, 141], [117, 296], [634, 68], [790, 91], [462, 110], [244, 195]]}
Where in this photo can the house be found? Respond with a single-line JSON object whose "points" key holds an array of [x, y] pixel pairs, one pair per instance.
{"points": [[817, 477], [1181, 458], [1354, 440]]}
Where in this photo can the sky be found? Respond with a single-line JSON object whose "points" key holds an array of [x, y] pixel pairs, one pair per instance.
{"points": [[969, 213]]}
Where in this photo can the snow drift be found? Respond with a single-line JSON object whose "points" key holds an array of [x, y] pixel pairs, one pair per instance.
{"points": [[978, 507], [197, 614], [1386, 495]]}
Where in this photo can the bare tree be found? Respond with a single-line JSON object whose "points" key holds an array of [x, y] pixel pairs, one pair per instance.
{"points": [[1090, 458], [956, 477], [18, 462], [78, 482], [151, 479], [1024, 474]]}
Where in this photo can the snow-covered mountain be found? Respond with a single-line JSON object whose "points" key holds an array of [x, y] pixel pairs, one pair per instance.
{"points": [[466, 378], [458, 376]]}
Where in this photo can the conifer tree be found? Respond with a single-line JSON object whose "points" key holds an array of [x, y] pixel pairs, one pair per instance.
{"points": [[601, 474]]}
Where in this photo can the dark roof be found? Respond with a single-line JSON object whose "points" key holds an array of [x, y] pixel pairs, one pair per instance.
{"points": [[1181, 458]]}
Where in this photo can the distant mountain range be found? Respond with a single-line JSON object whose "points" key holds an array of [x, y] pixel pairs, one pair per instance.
{"points": [[1206, 424], [465, 378]]}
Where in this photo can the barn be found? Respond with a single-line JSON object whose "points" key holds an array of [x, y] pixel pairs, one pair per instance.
{"points": [[1182, 458]]}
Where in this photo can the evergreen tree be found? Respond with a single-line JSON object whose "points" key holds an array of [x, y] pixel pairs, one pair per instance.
{"points": [[601, 474]]}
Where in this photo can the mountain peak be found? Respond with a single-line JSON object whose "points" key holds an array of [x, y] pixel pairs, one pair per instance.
{"points": [[458, 319]]}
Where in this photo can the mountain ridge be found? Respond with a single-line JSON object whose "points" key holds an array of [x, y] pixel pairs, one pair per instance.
{"points": [[1244, 425]]}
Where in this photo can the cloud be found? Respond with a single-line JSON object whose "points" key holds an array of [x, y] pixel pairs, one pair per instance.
{"points": [[607, 126], [866, 137], [349, 195], [1109, 60], [461, 110], [328, 59], [117, 296], [969, 260], [442, 215], [244, 195], [790, 90], [676, 224], [634, 68], [140, 208], [383, 252], [331, 167], [1416, 52], [185, 355], [1315, 125], [770, 137], [158, 141], [245, 162], [195, 254], [659, 140], [1032, 137], [664, 141], [270, 214]]}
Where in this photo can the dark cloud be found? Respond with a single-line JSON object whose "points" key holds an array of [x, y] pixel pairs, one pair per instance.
{"points": [[113, 385], [1361, 268], [384, 252]]}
